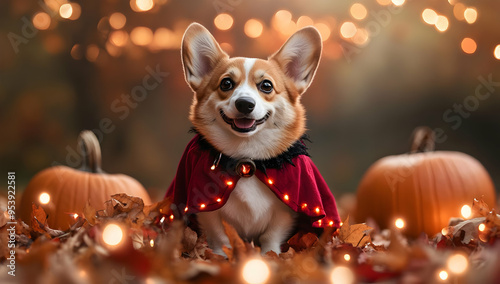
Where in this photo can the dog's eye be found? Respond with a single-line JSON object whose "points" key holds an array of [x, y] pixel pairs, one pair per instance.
{"points": [[266, 86], [226, 84]]}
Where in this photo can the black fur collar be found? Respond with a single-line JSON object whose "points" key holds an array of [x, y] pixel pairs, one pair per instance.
{"points": [[228, 163]]}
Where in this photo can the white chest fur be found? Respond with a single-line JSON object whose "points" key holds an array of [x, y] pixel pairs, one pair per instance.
{"points": [[256, 214]]}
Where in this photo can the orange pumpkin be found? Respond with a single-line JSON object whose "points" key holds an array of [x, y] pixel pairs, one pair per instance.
{"points": [[63, 191], [424, 187]]}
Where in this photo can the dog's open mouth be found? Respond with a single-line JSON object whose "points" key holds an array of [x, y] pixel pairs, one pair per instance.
{"points": [[243, 124]]}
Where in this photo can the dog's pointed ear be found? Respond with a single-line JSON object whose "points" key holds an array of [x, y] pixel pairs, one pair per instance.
{"points": [[200, 54], [299, 57]]}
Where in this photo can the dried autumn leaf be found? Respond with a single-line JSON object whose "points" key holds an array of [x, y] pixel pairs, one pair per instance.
{"points": [[110, 210], [126, 203], [357, 235], [493, 219], [238, 249], [189, 240], [480, 208], [302, 241], [38, 219], [396, 257], [90, 213]]}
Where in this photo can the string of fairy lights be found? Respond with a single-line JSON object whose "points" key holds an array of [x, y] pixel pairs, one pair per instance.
{"points": [[352, 30], [257, 270]]}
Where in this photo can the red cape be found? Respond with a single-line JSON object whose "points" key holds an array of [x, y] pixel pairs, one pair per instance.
{"points": [[196, 187]]}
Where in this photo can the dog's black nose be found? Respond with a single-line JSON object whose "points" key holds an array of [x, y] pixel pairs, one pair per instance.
{"points": [[245, 105]]}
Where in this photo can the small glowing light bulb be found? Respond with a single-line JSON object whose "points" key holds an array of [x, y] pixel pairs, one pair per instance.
{"points": [[400, 223], [466, 211], [316, 210], [202, 206], [75, 216], [152, 243], [44, 198], [185, 209], [482, 227], [347, 257], [256, 271], [286, 197], [162, 219], [171, 217], [330, 224], [270, 181], [112, 234], [212, 167], [443, 275], [304, 205], [219, 200], [229, 183]]}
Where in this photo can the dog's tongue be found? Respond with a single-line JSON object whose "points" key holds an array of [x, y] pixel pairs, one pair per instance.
{"points": [[244, 122]]}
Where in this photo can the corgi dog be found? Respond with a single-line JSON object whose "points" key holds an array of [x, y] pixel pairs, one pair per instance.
{"points": [[248, 109]]}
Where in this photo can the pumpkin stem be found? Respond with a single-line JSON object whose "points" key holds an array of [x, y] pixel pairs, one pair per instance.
{"points": [[91, 151], [423, 140]]}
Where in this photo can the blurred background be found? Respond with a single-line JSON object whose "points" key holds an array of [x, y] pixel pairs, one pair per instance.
{"points": [[387, 67]]}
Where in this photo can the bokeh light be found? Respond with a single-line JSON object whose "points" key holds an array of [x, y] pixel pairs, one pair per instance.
{"points": [[470, 15], [324, 30], [442, 23], [117, 20], [76, 52], [361, 37], [429, 16], [468, 45], [92, 53], [398, 2], [342, 275], [443, 275], [304, 21], [256, 271], [253, 28], [65, 11], [458, 11], [112, 234], [481, 227], [141, 36], [496, 52], [282, 21], [466, 210], [41, 21], [348, 30], [223, 21], [347, 257], [44, 198], [118, 38], [457, 263], [76, 11], [144, 5], [164, 38], [384, 2], [400, 223], [358, 11]]}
